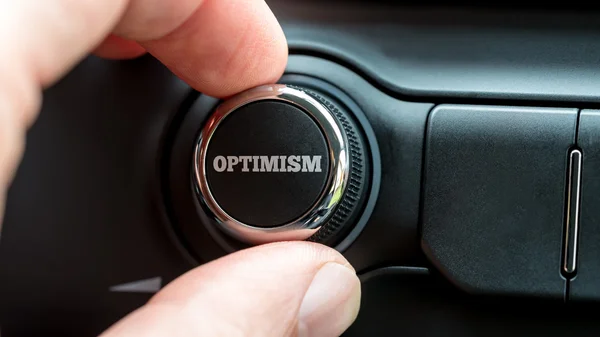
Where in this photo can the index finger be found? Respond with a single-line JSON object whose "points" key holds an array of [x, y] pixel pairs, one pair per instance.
{"points": [[224, 47], [218, 46]]}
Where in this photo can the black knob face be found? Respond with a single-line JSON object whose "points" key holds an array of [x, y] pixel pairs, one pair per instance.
{"points": [[281, 163], [268, 164]]}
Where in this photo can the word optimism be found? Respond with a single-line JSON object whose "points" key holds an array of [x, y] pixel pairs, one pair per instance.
{"points": [[267, 163]]}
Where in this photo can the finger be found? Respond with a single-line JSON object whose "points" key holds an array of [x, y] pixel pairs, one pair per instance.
{"points": [[39, 41], [285, 289], [221, 47], [246, 48], [114, 47], [11, 139]]}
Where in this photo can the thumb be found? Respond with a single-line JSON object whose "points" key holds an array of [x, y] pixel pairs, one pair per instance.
{"points": [[281, 289]]}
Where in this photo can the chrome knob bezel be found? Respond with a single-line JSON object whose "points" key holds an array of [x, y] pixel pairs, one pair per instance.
{"points": [[339, 171]]}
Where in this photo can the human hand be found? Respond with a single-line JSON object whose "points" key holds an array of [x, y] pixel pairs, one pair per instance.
{"points": [[220, 47]]}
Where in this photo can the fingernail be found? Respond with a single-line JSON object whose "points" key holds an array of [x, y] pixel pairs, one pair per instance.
{"points": [[331, 303]]}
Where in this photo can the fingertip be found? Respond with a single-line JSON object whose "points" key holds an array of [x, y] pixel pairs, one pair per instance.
{"points": [[225, 47], [279, 289], [253, 64], [302, 254], [331, 303]]}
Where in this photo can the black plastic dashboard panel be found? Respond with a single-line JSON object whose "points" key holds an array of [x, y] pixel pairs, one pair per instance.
{"points": [[86, 210], [443, 54], [392, 235], [415, 302], [494, 196]]}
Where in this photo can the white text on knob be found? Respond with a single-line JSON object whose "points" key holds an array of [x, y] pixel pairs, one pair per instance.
{"points": [[268, 163]]}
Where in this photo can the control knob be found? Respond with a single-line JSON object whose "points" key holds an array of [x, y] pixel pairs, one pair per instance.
{"points": [[279, 163]]}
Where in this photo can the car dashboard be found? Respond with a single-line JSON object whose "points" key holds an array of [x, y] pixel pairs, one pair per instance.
{"points": [[477, 209]]}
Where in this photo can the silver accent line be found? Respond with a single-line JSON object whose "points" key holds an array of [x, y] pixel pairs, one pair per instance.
{"points": [[151, 285], [310, 222], [572, 212]]}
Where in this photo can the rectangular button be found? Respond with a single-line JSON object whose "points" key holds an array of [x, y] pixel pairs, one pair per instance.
{"points": [[494, 197]]}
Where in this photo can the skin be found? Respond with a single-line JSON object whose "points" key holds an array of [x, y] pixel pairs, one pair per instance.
{"points": [[219, 47]]}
